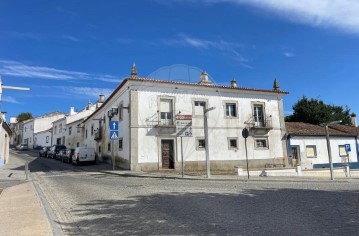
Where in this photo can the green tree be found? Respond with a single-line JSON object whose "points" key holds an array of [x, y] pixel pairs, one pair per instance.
{"points": [[315, 111], [24, 116]]}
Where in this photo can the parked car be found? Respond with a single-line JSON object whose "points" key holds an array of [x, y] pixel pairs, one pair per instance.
{"points": [[43, 151], [84, 154], [61, 153], [54, 150], [67, 157], [38, 148], [22, 147]]}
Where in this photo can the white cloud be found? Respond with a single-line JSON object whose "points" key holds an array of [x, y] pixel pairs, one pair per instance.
{"points": [[229, 48], [10, 100], [341, 14], [289, 54], [88, 91], [17, 69], [70, 37]]}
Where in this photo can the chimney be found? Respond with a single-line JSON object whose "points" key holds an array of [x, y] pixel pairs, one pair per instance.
{"points": [[72, 111], [101, 98], [204, 79], [234, 83], [353, 117]]}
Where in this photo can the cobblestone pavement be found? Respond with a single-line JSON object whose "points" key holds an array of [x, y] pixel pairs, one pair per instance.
{"points": [[92, 203]]}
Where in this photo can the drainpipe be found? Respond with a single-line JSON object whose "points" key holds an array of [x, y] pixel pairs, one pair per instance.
{"points": [[129, 129]]}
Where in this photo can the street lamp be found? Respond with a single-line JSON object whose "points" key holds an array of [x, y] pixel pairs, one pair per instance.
{"points": [[328, 145]]}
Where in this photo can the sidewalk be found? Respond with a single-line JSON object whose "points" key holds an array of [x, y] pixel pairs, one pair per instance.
{"points": [[21, 210]]}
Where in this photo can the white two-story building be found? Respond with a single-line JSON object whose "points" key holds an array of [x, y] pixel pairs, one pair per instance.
{"points": [[148, 114], [34, 132], [68, 130]]}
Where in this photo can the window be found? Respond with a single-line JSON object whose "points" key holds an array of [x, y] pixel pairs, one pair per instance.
{"points": [[166, 111], [78, 128], [120, 144], [258, 115], [70, 130], [232, 143], [92, 130], [26, 127], [261, 143], [60, 128], [77, 144], [342, 151], [201, 144], [109, 147], [86, 133], [30, 140], [231, 110], [55, 130], [198, 107], [311, 151], [47, 139]]}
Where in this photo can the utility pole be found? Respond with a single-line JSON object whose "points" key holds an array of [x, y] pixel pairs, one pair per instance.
{"points": [[1, 118], [208, 164], [328, 146]]}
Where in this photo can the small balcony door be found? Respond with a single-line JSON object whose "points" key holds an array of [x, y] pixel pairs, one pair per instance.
{"points": [[258, 115], [166, 112]]}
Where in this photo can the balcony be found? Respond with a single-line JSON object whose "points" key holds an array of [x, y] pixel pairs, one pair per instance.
{"points": [[98, 135], [165, 120], [260, 125]]}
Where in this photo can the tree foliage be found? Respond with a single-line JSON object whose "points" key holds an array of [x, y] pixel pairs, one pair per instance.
{"points": [[24, 116], [315, 111]]}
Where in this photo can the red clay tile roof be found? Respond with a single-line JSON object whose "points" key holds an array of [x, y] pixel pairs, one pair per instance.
{"points": [[305, 129], [205, 85]]}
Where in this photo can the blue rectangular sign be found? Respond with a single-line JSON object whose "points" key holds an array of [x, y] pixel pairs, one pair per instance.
{"points": [[114, 135], [113, 125], [347, 148]]}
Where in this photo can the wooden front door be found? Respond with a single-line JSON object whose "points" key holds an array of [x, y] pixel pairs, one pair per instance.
{"points": [[295, 156], [167, 154]]}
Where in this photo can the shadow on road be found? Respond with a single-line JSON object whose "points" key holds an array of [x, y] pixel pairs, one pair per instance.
{"points": [[255, 212]]}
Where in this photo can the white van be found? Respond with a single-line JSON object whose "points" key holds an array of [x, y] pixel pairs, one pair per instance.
{"points": [[84, 154]]}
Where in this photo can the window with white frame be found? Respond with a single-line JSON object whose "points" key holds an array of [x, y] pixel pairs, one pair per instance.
{"points": [[231, 110], [311, 151], [166, 111], [261, 143], [200, 144], [70, 130], [342, 151], [198, 107], [232, 143]]}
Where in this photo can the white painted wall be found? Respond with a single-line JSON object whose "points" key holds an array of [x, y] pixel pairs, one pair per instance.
{"points": [[28, 133], [43, 138], [59, 130], [322, 151]]}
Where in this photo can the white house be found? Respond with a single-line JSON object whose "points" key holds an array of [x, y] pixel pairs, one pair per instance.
{"points": [[307, 145], [36, 125], [147, 111], [43, 138], [5, 135], [68, 130]]}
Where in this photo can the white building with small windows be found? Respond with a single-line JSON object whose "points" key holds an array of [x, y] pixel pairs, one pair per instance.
{"points": [[307, 145], [150, 113], [30, 129], [69, 130]]}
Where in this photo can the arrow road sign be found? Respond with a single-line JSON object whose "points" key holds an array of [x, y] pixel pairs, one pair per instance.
{"points": [[114, 135], [113, 125]]}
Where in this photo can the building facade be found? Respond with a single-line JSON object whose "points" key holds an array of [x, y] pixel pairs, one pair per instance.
{"points": [[149, 111], [307, 145]]}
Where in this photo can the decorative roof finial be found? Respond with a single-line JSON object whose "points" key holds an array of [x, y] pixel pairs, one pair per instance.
{"points": [[276, 85], [204, 79], [234, 83], [133, 70]]}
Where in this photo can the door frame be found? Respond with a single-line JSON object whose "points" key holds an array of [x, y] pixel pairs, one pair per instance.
{"points": [[298, 152], [159, 144]]}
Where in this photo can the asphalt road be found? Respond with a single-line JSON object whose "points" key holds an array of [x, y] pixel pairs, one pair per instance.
{"points": [[88, 202]]}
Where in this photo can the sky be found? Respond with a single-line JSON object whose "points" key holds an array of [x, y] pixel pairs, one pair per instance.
{"points": [[68, 52]]}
